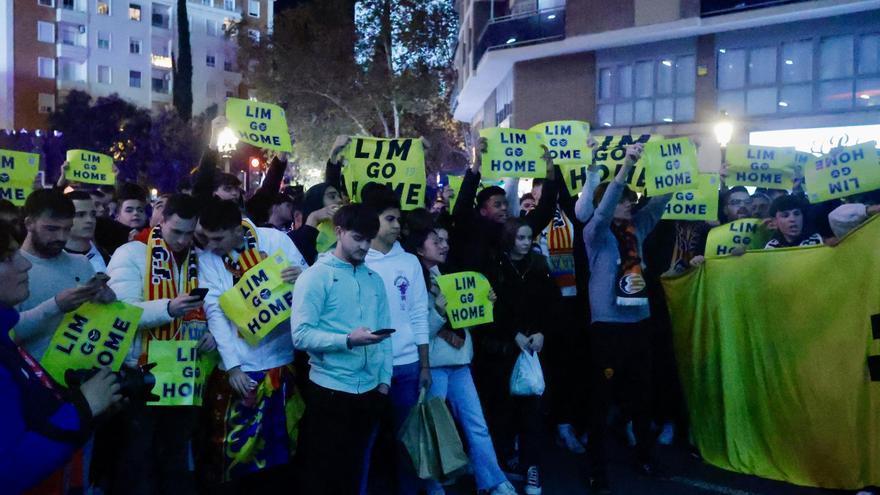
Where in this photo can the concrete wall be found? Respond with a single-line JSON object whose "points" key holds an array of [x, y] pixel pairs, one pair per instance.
{"points": [[558, 88], [595, 16]]}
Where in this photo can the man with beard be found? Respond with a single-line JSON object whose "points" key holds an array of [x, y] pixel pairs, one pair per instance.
{"points": [[59, 282], [82, 234], [736, 204]]}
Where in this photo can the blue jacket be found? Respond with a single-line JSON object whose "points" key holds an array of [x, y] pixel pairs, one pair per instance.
{"points": [[39, 429], [330, 300]]}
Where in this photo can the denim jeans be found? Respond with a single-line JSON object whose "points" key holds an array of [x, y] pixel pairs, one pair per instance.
{"points": [[455, 384], [404, 396]]}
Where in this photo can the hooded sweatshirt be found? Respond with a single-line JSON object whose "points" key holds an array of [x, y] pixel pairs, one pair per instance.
{"points": [[330, 300], [407, 300]]}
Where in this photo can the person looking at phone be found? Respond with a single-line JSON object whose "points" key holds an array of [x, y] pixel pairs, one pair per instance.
{"points": [[408, 305], [337, 304], [42, 423], [59, 282], [254, 391], [156, 271]]}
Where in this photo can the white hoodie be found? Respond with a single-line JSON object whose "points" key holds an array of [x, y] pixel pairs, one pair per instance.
{"points": [[407, 300]]}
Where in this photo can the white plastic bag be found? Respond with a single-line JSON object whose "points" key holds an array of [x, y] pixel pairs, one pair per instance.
{"points": [[527, 377]]}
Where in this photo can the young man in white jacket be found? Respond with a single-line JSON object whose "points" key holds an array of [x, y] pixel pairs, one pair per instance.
{"points": [[156, 272], [255, 384], [408, 304]]}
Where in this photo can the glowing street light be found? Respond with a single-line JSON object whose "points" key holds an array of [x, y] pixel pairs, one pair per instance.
{"points": [[724, 131]]}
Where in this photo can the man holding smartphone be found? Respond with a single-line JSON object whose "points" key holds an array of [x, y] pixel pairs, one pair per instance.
{"points": [[156, 271], [338, 305]]}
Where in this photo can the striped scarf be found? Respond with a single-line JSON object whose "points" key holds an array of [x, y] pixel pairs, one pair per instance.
{"points": [[631, 285], [161, 283], [560, 250], [248, 257]]}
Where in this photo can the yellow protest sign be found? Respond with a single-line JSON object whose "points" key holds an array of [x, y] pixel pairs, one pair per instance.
{"points": [[760, 166], [467, 298], [609, 156], [575, 176], [513, 153], [670, 166], [93, 335], [180, 372], [748, 233], [260, 301], [400, 163], [843, 172], [698, 204], [454, 184], [566, 140], [89, 167], [263, 125], [17, 173]]}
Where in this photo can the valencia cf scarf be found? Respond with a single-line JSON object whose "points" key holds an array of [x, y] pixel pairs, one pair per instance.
{"points": [[161, 283], [560, 253], [248, 257], [631, 287]]}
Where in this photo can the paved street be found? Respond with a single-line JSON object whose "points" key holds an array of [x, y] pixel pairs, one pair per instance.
{"points": [[683, 475]]}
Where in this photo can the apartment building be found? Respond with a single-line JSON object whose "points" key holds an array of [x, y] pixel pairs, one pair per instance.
{"points": [[51, 47], [788, 73]]}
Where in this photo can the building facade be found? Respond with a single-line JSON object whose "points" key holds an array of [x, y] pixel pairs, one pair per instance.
{"points": [[123, 47], [670, 67]]}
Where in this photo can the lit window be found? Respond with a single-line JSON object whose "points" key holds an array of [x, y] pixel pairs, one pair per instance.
{"points": [[103, 74], [46, 67], [103, 8], [46, 32], [134, 12]]}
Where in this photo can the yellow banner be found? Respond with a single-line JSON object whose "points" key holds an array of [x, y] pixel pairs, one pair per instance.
{"points": [[566, 140], [454, 182], [761, 166], [467, 299], [842, 173], [181, 372], [748, 233], [400, 163], [698, 204], [263, 125], [575, 176], [513, 153], [90, 168], [93, 335], [670, 166], [609, 156], [260, 301]]}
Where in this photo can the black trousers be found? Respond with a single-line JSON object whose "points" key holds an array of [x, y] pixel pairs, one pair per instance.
{"points": [[509, 416], [621, 369], [567, 394], [153, 451], [337, 429]]}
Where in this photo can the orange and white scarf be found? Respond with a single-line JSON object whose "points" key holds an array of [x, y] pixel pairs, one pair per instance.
{"points": [[248, 257], [560, 253], [161, 282]]}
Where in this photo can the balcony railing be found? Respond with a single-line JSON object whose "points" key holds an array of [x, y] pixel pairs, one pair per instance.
{"points": [[719, 7], [521, 29]]}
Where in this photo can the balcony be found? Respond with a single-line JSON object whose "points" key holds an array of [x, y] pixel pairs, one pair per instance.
{"points": [[719, 7], [521, 29]]}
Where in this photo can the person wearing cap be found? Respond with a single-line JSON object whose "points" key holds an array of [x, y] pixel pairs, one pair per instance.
{"points": [[787, 214]]}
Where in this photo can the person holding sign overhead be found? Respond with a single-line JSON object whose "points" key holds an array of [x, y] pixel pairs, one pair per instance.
{"points": [[620, 338], [156, 272], [254, 397], [339, 311], [451, 352]]}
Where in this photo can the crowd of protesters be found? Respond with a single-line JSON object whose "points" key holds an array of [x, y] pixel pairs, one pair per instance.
{"points": [[316, 406]]}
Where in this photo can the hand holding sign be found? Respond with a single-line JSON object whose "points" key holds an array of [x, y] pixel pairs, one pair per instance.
{"points": [[670, 166], [263, 125], [399, 163], [467, 295], [844, 172], [513, 153], [18, 172], [90, 168]]}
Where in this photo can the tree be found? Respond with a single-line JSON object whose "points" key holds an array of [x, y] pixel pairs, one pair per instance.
{"points": [[384, 72], [183, 69]]}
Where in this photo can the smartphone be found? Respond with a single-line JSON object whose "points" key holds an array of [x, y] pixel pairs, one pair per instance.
{"points": [[99, 279], [199, 292], [384, 331]]}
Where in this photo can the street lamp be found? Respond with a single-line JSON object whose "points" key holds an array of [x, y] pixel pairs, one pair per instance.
{"points": [[724, 131], [227, 141]]}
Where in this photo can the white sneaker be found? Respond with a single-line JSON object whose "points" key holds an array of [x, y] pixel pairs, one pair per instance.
{"points": [[667, 435], [503, 489], [533, 481], [567, 439]]}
